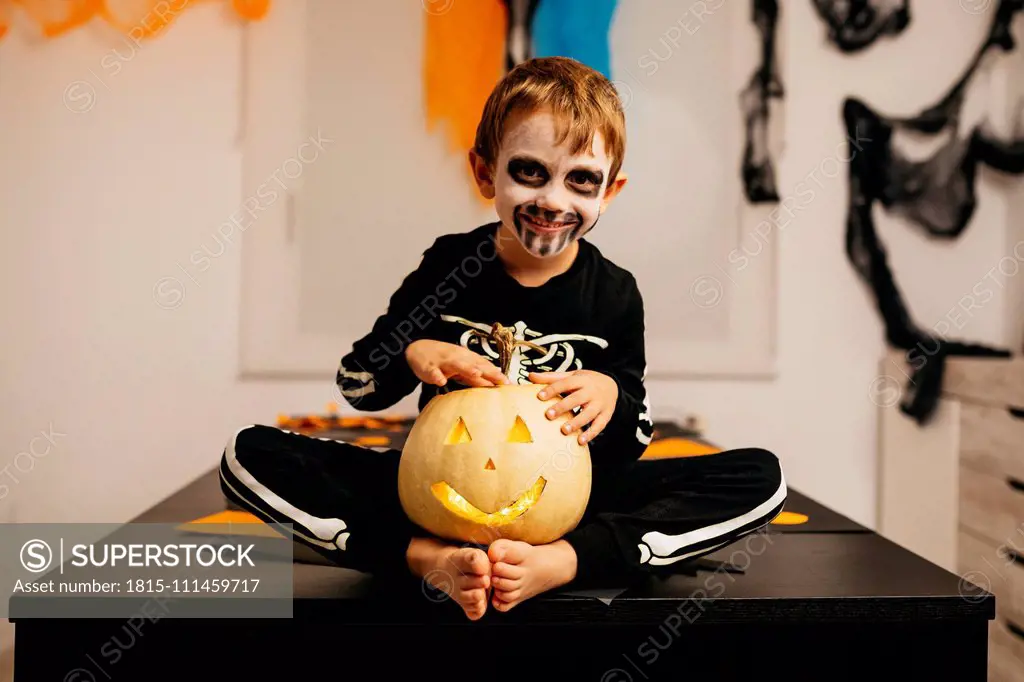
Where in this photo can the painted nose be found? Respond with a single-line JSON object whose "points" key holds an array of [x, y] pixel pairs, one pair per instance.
{"points": [[490, 465], [554, 202]]}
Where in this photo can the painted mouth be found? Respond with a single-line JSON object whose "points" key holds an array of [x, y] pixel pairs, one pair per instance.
{"points": [[547, 226], [461, 507]]}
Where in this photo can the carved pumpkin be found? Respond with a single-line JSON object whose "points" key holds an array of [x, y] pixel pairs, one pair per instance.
{"points": [[486, 463]]}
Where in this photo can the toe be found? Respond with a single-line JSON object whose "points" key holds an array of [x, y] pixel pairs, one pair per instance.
{"points": [[503, 605], [505, 584], [510, 571], [474, 602], [496, 550], [471, 561], [509, 596], [441, 580], [508, 551], [471, 581]]}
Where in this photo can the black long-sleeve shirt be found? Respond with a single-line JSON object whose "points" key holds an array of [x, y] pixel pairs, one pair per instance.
{"points": [[589, 317]]}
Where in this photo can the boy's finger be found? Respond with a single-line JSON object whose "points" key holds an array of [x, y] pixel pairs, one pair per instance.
{"points": [[570, 383], [427, 372], [437, 377], [465, 369], [588, 415], [548, 377], [568, 403], [477, 381], [494, 374], [595, 428]]}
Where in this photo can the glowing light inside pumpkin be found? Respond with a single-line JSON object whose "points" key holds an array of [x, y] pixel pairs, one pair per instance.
{"points": [[458, 434], [520, 433], [463, 508]]}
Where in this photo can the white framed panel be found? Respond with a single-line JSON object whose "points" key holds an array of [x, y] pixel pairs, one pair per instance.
{"points": [[352, 215]]}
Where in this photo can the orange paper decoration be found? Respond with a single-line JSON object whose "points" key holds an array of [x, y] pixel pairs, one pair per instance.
{"points": [[463, 61], [138, 19]]}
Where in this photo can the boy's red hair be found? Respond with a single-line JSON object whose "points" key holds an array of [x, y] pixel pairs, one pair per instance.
{"points": [[582, 100]]}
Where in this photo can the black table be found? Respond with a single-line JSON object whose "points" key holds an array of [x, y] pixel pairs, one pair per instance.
{"points": [[827, 600]]}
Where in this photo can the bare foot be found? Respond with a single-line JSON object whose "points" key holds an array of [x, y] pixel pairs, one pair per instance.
{"points": [[520, 570], [463, 573]]}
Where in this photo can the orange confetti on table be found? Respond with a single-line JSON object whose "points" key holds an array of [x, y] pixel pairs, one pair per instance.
{"points": [[790, 519], [229, 516], [232, 522], [371, 441], [678, 447]]}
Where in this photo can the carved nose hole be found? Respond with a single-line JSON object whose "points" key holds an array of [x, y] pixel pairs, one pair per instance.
{"points": [[490, 465]]}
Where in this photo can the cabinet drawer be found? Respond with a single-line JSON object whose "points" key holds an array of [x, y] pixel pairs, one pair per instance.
{"points": [[1012, 570], [992, 507], [991, 381], [987, 565], [992, 439], [1005, 653]]}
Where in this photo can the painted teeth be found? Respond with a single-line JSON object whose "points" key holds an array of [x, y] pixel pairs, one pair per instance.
{"points": [[544, 223]]}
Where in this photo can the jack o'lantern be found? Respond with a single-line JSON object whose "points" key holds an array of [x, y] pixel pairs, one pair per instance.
{"points": [[486, 463]]}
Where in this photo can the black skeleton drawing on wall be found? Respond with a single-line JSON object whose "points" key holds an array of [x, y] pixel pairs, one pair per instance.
{"points": [[518, 41], [936, 194], [758, 170], [854, 24]]}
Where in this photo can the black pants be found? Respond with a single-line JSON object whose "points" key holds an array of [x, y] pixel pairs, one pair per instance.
{"points": [[342, 501]]}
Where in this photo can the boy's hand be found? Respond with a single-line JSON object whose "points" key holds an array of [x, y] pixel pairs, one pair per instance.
{"points": [[435, 362], [596, 392]]}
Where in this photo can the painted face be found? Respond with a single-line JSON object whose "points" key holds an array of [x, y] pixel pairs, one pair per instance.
{"points": [[545, 194]]}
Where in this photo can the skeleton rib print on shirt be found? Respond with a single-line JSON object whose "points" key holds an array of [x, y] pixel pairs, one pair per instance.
{"points": [[589, 317], [559, 355]]}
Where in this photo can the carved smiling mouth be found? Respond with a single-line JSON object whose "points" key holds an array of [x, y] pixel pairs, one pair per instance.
{"points": [[461, 507]]}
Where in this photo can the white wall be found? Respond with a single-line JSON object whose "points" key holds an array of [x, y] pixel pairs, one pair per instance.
{"points": [[98, 206], [819, 415]]}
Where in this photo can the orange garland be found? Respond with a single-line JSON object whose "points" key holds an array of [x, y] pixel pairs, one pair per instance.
{"points": [[143, 18], [463, 60]]}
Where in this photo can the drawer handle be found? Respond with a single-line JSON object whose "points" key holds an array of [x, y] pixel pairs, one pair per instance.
{"points": [[1016, 484], [1013, 555], [1015, 629], [1016, 412]]}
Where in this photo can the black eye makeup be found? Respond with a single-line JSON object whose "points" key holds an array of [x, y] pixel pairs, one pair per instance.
{"points": [[528, 172], [585, 181]]}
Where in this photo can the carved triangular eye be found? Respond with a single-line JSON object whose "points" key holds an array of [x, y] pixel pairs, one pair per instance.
{"points": [[458, 434], [519, 433]]}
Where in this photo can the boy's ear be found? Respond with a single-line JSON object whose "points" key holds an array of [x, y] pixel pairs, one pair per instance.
{"points": [[482, 174], [613, 189]]}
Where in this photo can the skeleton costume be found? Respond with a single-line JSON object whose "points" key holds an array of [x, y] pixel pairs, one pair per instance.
{"points": [[643, 517]]}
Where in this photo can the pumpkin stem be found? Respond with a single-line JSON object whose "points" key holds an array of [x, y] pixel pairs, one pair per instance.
{"points": [[504, 339]]}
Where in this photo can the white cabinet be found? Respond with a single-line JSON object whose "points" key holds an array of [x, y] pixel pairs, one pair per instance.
{"points": [[953, 490]]}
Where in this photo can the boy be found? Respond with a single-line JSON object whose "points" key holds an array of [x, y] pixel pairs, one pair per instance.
{"points": [[548, 151]]}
